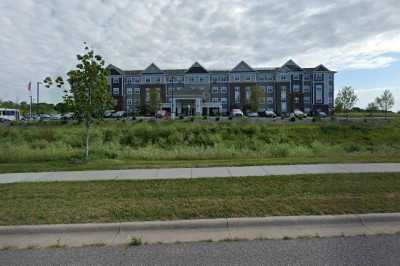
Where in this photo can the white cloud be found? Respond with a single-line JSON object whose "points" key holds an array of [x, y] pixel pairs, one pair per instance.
{"points": [[42, 37]]}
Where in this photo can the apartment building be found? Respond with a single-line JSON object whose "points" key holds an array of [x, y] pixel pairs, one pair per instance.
{"points": [[201, 91]]}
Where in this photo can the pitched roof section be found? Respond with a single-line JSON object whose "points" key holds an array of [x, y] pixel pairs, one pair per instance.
{"points": [[292, 66], [321, 68], [153, 69], [242, 67], [196, 68], [115, 70]]}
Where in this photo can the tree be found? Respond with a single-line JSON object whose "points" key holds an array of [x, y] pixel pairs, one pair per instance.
{"points": [[154, 101], [385, 102], [372, 107], [345, 99], [256, 98], [88, 95]]}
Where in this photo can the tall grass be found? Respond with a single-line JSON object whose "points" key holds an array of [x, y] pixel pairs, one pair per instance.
{"points": [[191, 141]]}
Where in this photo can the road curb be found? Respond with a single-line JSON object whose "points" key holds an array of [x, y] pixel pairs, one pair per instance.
{"points": [[199, 230]]}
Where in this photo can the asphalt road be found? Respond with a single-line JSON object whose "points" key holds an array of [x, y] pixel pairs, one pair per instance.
{"points": [[372, 250]]}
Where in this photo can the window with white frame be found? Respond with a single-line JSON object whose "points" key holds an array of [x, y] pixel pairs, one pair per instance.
{"points": [[307, 100], [237, 77], [318, 76], [248, 93], [283, 76], [224, 100], [270, 76], [115, 91], [318, 93], [129, 80], [237, 94], [129, 102], [270, 89], [214, 90], [129, 91], [147, 79], [137, 90], [270, 100], [283, 93], [215, 100], [296, 76], [224, 90], [115, 80], [306, 88], [283, 107], [296, 88], [307, 76], [214, 78], [330, 99]]}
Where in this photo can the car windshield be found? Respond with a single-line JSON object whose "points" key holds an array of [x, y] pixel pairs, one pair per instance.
{"points": [[9, 112]]}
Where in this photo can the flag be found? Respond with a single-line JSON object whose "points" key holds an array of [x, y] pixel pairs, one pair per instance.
{"points": [[29, 86]]}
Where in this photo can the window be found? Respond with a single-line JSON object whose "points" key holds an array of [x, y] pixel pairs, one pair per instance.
{"points": [[307, 100], [318, 93], [129, 91], [214, 90], [248, 93], [283, 93], [215, 100], [296, 88], [224, 90], [270, 77], [319, 76], [270, 100], [330, 99], [147, 80], [306, 88], [270, 89], [284, 107], [237, 94], [115, 80], [283, 76], [215, 78], [129, 80], [116, 91], [296, 76], [237, 77], [330, 76], [129, 101], [307, 76], [137, 90], [224, 100]]}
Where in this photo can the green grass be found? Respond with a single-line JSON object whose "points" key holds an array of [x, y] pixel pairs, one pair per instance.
{"points": [[114, 201], [121, 145]]}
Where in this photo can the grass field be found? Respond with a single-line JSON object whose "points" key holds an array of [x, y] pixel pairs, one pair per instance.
{"points": [[113, 201], [121, 145]]}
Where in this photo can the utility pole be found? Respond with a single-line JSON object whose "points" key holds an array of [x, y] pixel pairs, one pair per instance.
{"points": [[37, 96], [172, 101]]}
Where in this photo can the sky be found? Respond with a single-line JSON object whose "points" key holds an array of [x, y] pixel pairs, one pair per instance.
{"points": [[358, 38]]}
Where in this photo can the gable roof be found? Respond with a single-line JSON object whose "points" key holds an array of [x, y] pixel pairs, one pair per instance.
{"points": [[196, 68], [153, 69], [115, 70], [321, 68], [242, 67], [292, 66]]}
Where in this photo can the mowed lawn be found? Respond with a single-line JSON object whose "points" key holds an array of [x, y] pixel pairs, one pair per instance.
{"points": [[114, 201]]}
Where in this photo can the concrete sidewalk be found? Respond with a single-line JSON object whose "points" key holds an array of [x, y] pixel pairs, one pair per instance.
{"points": [[199, 230], [187, 173]]}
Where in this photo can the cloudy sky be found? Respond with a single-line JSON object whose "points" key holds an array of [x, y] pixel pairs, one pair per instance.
{"points": [[358, 38]]}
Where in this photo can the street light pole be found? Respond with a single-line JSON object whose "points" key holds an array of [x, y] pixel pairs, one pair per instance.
{"points": [[37, 96]]}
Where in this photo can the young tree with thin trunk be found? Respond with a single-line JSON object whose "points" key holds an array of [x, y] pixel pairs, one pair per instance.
{"points": [[346, 99], [385, 102], [372, 107], [154, 101], [256, 98], [89, 96]]}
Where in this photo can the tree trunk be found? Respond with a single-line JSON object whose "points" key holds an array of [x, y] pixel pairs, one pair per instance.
{"points": [[87, 127]]}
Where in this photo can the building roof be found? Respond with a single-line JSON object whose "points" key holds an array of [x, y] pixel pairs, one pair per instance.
{"points": [[292, 66], [153, 69], [242, 67], [196, 68]]}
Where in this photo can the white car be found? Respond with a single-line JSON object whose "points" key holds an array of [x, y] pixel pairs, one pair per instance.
{"points": [[299, 114], [252, 114], [237, 112], [269, 113], [118, 114]]}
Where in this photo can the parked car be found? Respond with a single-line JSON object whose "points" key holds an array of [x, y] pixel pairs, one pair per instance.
{"points": [[108, 113], [299, 114], [162, 114], [269, 113], [119, 114], [321, 114], [252, 114], [67, 116], [45, 117], [237, 113], [56, 117]]}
